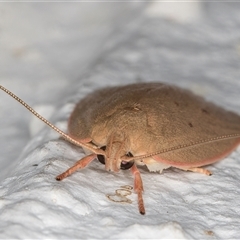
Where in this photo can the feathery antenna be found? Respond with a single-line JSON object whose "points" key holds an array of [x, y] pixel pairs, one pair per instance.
{"points": [[71, 140], [184, 146], [64, 135]]}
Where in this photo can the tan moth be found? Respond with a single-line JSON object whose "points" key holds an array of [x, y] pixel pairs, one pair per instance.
{"points": [[152, 124]]}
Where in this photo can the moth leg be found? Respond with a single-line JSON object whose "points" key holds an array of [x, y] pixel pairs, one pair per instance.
{"points": [[200, 170], [138, 187], [82, 163]]}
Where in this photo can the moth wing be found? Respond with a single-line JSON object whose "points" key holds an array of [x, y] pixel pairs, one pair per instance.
{"points": [[157, 116], [182, 118]]}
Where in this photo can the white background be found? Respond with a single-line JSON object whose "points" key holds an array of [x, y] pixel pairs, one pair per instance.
{"points": [[53, 54]]}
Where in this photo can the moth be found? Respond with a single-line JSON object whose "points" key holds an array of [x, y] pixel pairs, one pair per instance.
{"points": [[152, 124]]}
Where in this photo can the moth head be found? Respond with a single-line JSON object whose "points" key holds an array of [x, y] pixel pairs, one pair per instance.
{"points": [[114, 163], [114, 151]]}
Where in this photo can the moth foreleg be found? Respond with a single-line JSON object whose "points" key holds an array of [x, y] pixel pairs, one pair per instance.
{"points": [[82, 163], [138, 187]]}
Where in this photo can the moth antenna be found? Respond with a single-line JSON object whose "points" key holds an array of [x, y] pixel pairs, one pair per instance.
{"points": [[184, 146], [64, 135]]}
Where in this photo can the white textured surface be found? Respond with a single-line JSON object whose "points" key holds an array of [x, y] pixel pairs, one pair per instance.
{"points": [[203, 56]]}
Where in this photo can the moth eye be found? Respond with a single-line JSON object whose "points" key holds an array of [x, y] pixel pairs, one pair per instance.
{"points": [[101, 158], [126, 165]]}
